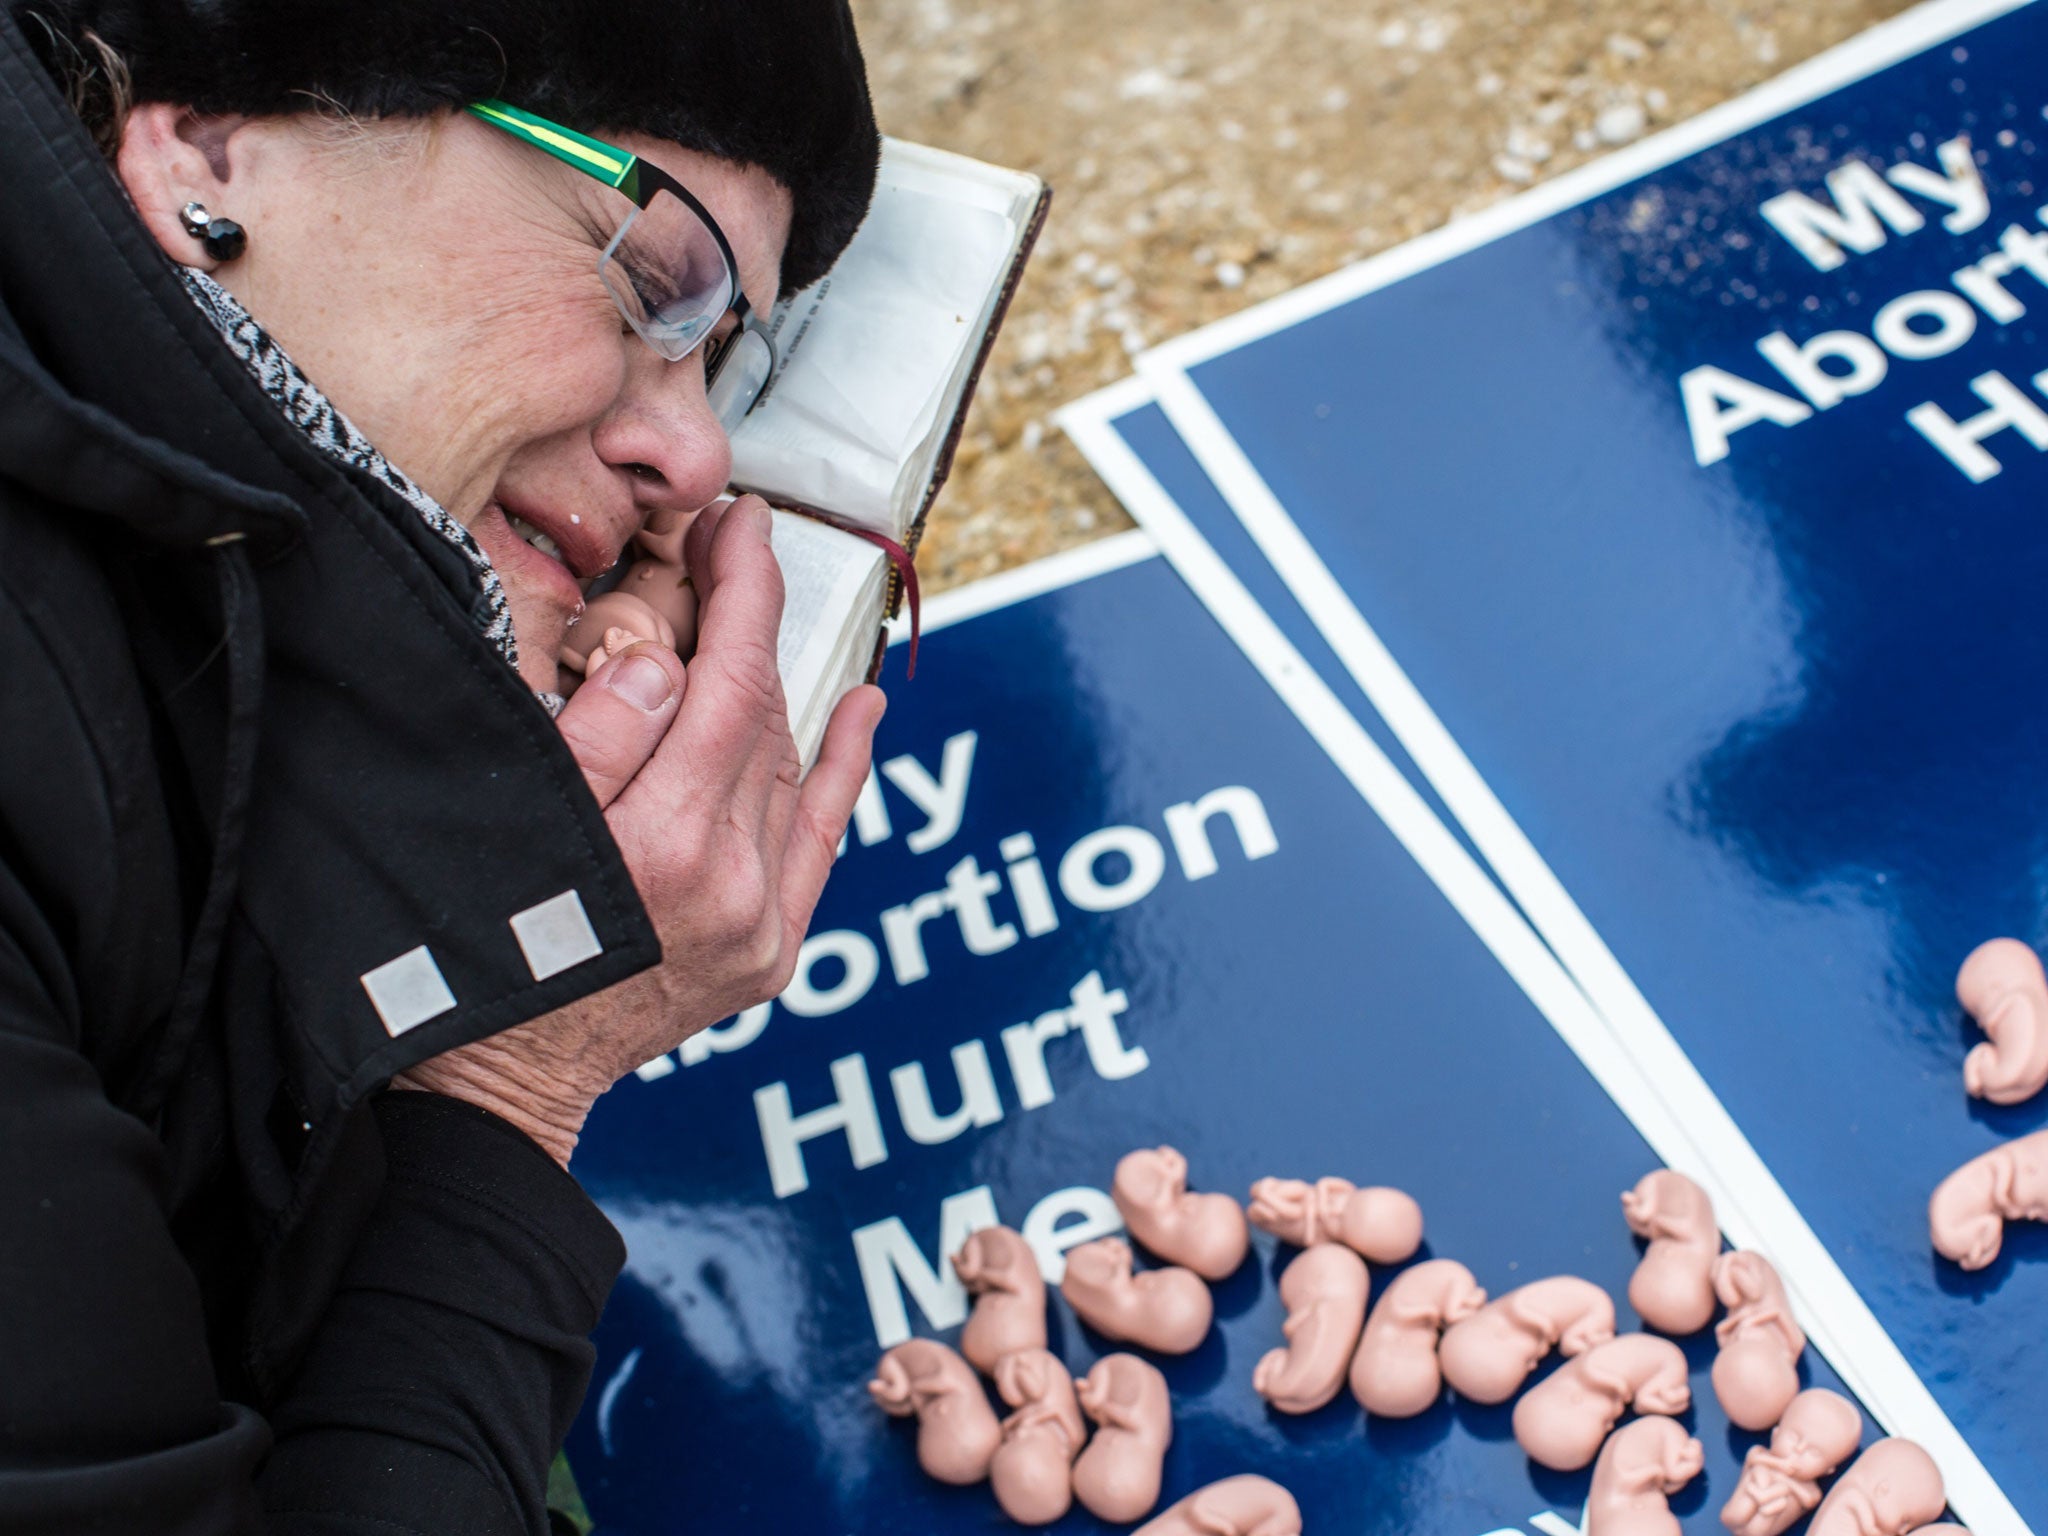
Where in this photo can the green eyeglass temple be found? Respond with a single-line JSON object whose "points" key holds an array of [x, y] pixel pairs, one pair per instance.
{"points": [[593, 157]]}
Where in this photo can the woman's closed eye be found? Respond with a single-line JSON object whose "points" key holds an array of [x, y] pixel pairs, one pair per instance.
{"points": [[655, 284]]}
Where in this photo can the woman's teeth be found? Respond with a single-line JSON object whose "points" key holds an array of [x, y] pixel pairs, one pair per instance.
{"points": [[534, 536]]}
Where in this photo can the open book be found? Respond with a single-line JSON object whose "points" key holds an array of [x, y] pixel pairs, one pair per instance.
{"points": [[876, 365]]}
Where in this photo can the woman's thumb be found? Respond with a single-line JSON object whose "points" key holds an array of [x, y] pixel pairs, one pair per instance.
{"points": [[615, 720]]}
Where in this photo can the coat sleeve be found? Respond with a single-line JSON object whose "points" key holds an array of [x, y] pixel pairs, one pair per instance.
{"points": [[109, 1413], [443, 1375], [457, 1349]]}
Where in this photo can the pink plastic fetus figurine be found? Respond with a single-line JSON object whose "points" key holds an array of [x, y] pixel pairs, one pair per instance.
{"points": [[1563, 1419], [1117, 1477], [1488, 1356], [666, 589], [1756, 1373], [1780, 1482], [1001, 1272], [589, 644], [1891, 1489], [956, 1429], [1673, 1288], [1395, 1373], [661, 536], [1205, 1233], [1164, 1309], [1970, 1208], [1324, 1291], [2003, 988], [1032, 1472], [1640, 1467], [1383, 1224], [615, 642], [1944, 1529], [1247, 1505]]}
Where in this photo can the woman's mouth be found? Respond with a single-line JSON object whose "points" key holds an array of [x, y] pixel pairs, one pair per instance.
{"points": [[529, 559], [535, 537]]}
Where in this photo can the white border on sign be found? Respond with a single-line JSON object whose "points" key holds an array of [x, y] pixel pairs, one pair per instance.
{"points": [[1884, 44], [1637, 1062]]}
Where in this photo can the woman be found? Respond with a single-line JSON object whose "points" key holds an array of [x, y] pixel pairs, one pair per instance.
{"points": [[321, 396]]}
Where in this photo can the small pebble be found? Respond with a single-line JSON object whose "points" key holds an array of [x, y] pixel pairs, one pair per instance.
{"points": [[1621, 123]]}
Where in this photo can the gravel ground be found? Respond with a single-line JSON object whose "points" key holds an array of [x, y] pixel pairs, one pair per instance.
{"points": [[1205, 156]]}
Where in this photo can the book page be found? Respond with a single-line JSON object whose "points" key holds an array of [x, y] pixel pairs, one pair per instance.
{"points": [[868, 355], [831, 601], [848, 667]]}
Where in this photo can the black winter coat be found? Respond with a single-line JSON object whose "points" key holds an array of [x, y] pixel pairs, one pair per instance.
{"points": [[252, 749]]}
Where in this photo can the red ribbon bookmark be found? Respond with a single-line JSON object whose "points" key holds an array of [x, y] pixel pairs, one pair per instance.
{"points": [[906, 572]]}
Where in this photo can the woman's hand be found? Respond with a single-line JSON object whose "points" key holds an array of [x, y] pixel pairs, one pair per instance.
{"points": [[728, 843]]}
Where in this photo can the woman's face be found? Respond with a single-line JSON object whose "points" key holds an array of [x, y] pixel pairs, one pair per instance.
{"points": [[439, 282]]}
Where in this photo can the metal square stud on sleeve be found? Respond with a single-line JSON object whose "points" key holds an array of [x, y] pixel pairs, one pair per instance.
{"points": [[555, 935], [408, 991]]}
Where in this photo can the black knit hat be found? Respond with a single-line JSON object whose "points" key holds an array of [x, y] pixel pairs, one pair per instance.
{"points": [[774, 83]]}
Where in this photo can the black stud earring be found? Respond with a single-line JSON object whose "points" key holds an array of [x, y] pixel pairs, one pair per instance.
{"points": [[224, 239]]}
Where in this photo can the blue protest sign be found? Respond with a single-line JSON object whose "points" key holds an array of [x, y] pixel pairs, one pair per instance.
{"points": [[1681, 521], [1108, 893]]}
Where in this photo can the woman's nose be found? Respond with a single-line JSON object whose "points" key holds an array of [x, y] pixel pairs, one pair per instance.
{"points": [[662, 432]]}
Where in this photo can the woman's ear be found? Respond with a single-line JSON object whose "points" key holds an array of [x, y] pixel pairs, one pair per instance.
{"points": [[171, 156]]}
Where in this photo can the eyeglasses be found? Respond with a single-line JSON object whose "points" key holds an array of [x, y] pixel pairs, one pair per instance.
{"points": [[668, 267]]}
